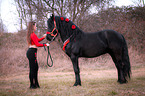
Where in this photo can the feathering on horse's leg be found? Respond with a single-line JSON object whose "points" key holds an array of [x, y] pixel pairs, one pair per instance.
{"points": [[120, 66], [117, 59], [122, 75]]}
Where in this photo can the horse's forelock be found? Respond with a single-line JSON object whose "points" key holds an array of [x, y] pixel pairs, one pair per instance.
{"points": [[50, 24]]}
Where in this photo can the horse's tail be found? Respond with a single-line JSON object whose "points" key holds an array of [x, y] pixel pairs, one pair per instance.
{"points": [[126, 61]]}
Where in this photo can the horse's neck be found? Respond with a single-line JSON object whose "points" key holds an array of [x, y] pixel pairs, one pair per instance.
{"points": [[70, 36], [64, 37]]}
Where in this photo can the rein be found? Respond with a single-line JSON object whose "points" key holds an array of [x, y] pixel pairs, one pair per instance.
{"points": [[48, 55], [53, 35]]}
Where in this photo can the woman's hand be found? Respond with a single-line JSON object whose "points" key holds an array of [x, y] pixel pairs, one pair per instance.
{"points": [[47, 44], [44, 35]]}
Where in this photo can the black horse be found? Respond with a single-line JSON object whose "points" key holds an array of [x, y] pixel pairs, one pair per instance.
{"points": [[81, 44]]}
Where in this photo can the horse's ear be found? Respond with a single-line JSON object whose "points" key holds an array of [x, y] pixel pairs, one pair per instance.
{"points": [[52, 16]]}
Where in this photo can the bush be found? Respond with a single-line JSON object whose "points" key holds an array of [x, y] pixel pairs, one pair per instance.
{"points": [[129, 21]]}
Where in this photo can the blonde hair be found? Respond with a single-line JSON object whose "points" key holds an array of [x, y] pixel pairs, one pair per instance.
{"points": [[30, 30]]}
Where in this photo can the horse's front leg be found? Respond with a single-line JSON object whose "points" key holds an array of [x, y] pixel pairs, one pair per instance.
{"points": [[74, 60]]}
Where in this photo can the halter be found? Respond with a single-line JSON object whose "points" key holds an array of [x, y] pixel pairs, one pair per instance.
{"points": [[54, 35], [51, 33]]}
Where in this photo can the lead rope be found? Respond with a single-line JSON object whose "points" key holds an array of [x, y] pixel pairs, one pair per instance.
{"points": [[48, 55]]}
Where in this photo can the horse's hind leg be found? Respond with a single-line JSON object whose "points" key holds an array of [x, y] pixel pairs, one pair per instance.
{"points": [[117, 58], [121, 77]]}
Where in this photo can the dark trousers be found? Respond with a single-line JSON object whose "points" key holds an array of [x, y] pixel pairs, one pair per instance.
{"points": [[33, 65]]}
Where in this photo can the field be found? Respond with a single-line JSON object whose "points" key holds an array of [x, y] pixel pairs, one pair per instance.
{"points": [[98, 75], [94, 83]]}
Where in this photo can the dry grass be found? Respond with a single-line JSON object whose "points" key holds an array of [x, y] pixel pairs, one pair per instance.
{"points": [[94, 83], [13, 58], [98, 74]]}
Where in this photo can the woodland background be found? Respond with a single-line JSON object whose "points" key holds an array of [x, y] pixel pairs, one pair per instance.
{"points": [[128, 20]]}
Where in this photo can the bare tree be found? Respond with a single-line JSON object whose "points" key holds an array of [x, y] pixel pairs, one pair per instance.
{"points": [[2, 26], [38, 10], [21, 9], [139, 2]]}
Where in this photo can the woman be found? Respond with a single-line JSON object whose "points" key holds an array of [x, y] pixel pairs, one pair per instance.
{"points": [[33, 43]]}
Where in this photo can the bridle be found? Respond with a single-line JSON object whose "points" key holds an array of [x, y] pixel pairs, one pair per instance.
{"points": [[51, 33], [54, 36]]}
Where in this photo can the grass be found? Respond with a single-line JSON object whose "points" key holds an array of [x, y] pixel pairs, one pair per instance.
{"points": [[94, 83], [98, 75]]}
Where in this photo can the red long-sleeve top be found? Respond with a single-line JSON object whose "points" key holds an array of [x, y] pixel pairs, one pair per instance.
{"points": [[35, 40]]}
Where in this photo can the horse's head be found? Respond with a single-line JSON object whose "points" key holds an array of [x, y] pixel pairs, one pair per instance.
{"points": [[52, 31], [66, 28]]}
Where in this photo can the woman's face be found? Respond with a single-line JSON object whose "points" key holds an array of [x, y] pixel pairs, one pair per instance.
{"points": [[35, 27]]}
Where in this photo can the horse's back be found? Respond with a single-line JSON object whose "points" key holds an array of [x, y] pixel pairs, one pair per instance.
{"points": [[97, 43], [103, 38]]}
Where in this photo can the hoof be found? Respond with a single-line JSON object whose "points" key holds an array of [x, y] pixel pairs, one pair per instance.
{"points": [[76, 84], [122, 81], [33, 87]]}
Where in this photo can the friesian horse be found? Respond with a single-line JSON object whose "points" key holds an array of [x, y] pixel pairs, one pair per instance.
{"points": [[90, 44]]}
